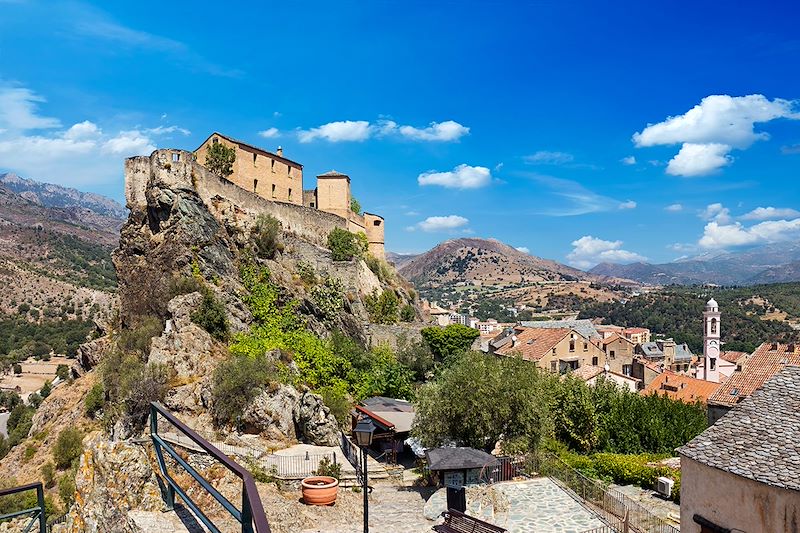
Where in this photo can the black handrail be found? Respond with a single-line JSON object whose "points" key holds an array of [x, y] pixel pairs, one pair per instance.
{"points": [[37, 513], [251, 515]]}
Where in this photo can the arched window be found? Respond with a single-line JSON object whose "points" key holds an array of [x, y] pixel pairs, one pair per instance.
{"points": [[713, 325]]}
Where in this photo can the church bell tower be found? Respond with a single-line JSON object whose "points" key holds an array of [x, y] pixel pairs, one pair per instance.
{"points": [[711, 342]]}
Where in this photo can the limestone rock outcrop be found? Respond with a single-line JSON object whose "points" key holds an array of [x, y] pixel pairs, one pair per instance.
{"points": [[112, 479], [314, 421], [271, 413]]}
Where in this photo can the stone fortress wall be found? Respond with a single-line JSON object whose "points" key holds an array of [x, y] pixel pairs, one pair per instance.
{"points": [[227, 201]]}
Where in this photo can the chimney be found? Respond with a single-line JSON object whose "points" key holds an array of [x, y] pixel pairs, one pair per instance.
{"points": [[774, 346], [280, 151]]}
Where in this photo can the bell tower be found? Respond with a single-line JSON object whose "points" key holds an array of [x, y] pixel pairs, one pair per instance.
{"points": [[711, 342]]}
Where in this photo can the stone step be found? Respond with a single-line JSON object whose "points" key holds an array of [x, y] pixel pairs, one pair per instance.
{"points": [[181, 520]]}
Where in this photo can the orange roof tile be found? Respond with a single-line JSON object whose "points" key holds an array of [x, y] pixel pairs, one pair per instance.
{"points": [[533, 343], [680, 387], [762, 364], [731, 356]]}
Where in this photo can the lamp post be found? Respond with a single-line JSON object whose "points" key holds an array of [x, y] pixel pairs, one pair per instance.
{"points": [[363, 435]]}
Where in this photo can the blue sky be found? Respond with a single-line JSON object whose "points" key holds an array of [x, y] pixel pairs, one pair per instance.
{"points": [[580, 132]]}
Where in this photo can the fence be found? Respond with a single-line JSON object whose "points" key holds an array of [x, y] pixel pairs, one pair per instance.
{"points": [[506, 469], [36, 513], [612, 504]]}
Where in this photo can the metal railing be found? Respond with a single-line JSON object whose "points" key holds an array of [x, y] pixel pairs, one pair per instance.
{"points": [[251, 515], [506, 469], [37, 513], [611, 504]]}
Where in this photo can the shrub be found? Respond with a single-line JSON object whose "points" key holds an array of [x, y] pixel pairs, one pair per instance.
{"points": [[336, 400], [306, 273], [30, 451], [35, 400], [345, 245], [449, 341], [62, 372], [179, 285], [238, 380], [130, 386], [48, 471], [210, 315], [66, 488], [407, 313], [329, 297], [19, 424], [329, 468], [382, 308], [46, 390], [220, 159], [265, 236], [94, 401], [380, 268], [261, 474], [355, 206], [68, 447], [17, 368], [137, 339]]}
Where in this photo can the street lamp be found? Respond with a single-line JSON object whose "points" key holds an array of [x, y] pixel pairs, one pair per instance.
{"points": [[363, 435]]}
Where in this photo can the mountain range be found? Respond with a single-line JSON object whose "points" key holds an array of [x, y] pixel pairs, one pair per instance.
{"points": [[771, 263]]}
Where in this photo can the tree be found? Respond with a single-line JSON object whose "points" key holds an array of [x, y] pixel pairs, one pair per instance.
{"points": [[220, 159], [46, 389], [382, 308], [345, 245], [408, 314], [265, 236], [68, 447], [62, 372], [211, 316], [355, 206], [17, 368], [449, 341]]}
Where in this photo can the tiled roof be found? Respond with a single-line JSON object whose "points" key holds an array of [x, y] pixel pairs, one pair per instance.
{"points": [[636, 330], [731, 356], [682, 352], [680, 387], [651, 349], [532, 343], [758, 367], [252, 147], [587, 372], [614, 337], [583, 326], [759, 438], [332, 174]]}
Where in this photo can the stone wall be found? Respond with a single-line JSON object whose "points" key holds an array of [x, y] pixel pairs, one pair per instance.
{"points": [[378, 334], [227, 201]]}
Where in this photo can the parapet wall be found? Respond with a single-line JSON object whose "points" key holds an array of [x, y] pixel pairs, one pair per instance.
{"points": [[228, 202]]}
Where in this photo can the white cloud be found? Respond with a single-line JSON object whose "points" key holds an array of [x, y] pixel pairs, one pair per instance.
{"points": [[629, 160], [718, 235], [269, 133], [18, 110], [443, 223], [82, 154], [570, 198], [674, 208], [716, 213], [448, 130], [544, 157], [630, 204], [769, 213], [523, 249], [461, 177], [711, 129], [699, 159], [345, 130], [361, 130], [589, 251]]}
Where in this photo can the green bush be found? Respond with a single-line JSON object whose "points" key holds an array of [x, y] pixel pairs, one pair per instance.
{"points": [[329, 468], [68, 447], [35, 400], [407, 313], [237, 381], [137, 339], [94, 401], [183, 285], [355, 206], [62, 372], [265, 236], [130, 385], [306, 273], [449, 341], [46, 389], [380, 268], [17, 368], [329, 297], [211, 316], [48, 471], [19, 424], [345, 245], [66, 487], [220, 159], [382, 308], [336, 400]]}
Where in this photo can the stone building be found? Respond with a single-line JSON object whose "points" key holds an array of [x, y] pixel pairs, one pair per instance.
{"points": [[743, 473], [555, 349], [274, 177]]}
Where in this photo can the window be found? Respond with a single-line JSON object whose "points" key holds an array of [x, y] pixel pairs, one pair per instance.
{"points": [[585, 346], [572, 345], [376, 223], [553, 366], [255, 185], [713, 325], [712, 363], [254, 159], [626, 369], [176, 158], [312, 204], [612, 354], [214, 140], [288, 171], [290, 194], [273, 190], [272, 165], [594, 361]]}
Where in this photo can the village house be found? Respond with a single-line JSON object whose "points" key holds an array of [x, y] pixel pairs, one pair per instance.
{"points": [[554, 349], [766, 361], [681, 387], [274, 177], [584, 327], [590, 374], [636, 335], [393, 419], [668, 355], [619, 353], [743, 472]]}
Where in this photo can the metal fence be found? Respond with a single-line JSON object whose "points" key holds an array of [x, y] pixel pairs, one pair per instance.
{"points": [[506, 469], [611, 504], [36, 514]]}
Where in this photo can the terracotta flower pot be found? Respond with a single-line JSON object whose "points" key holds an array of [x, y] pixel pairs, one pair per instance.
{"points": [[319, 490]]}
